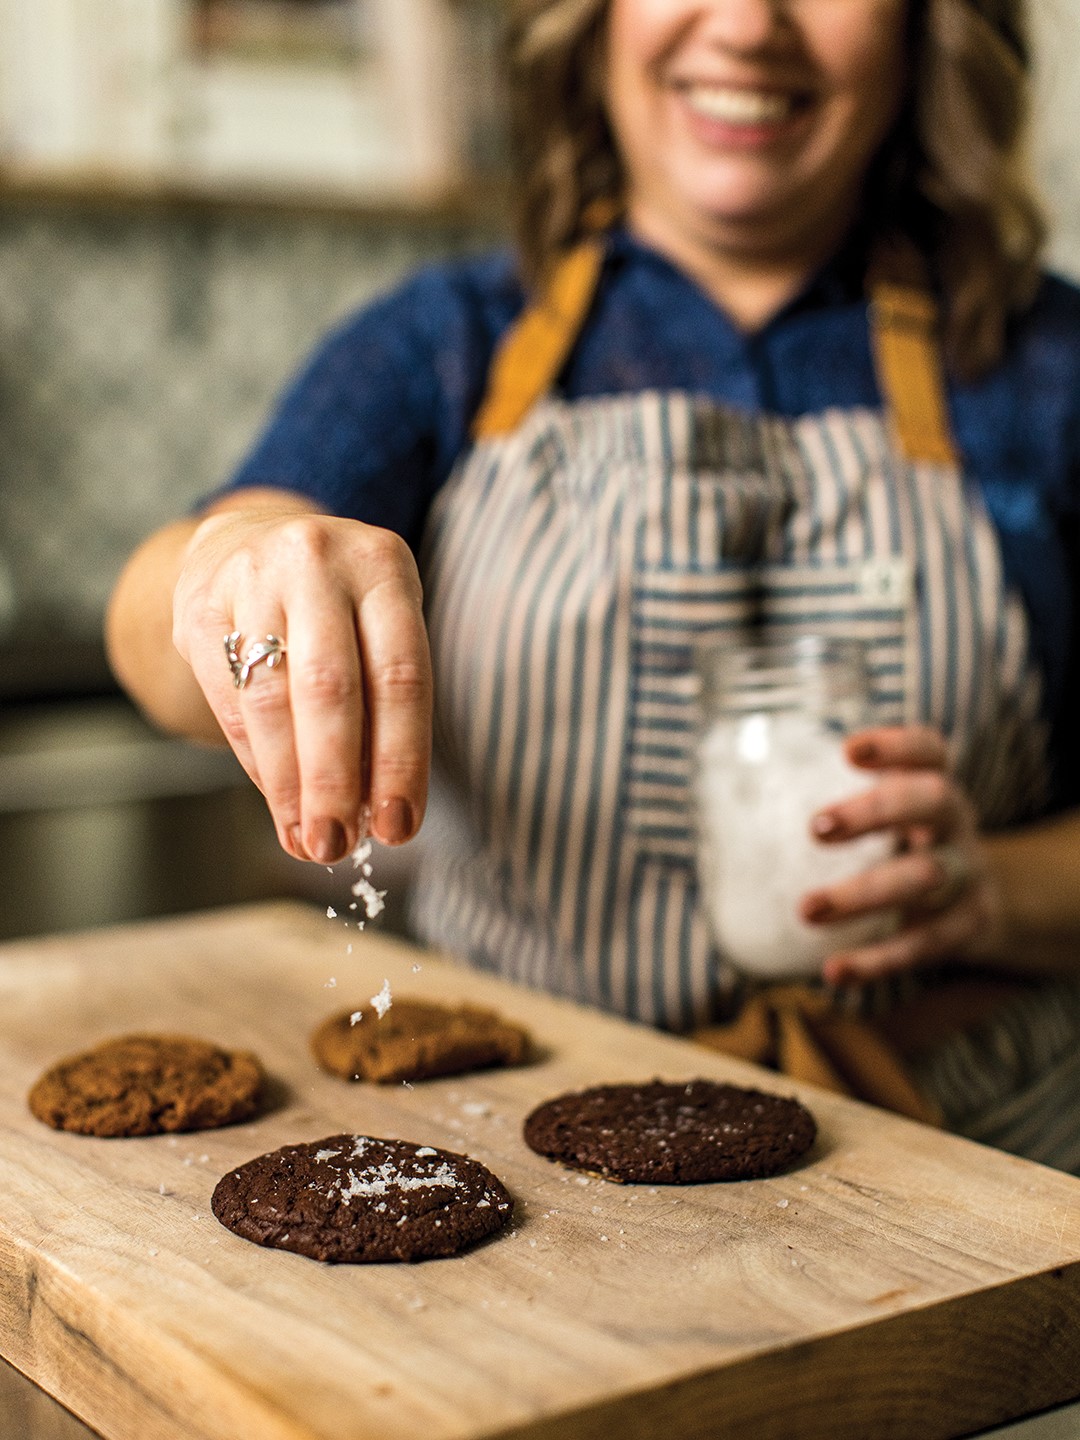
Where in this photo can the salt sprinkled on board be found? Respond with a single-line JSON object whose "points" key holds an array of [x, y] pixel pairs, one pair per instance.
{"points": [[331, 983], [356, 1017], [383, 1000], [331, 913]]}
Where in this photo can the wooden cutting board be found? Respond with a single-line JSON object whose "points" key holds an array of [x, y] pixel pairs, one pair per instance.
{"points": [[900, 1282]]}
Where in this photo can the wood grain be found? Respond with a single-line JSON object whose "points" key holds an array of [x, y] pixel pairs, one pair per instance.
{"points": [[900, 1282]]}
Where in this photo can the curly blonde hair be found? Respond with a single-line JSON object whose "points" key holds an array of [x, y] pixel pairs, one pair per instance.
{"points": [[952, 176]]}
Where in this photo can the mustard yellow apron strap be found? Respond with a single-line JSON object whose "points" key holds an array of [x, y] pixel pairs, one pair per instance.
{"points": [[904, 327], [528, 362]]}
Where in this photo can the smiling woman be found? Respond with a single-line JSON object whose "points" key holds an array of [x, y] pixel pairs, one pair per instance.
{"points": [[777, 123], [773, 356]]}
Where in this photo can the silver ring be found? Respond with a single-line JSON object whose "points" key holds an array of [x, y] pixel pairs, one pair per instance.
{"points": [[272, 650], [956, 877]]}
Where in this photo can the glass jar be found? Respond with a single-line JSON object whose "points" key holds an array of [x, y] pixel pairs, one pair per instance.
{"points": [[772, 722]]}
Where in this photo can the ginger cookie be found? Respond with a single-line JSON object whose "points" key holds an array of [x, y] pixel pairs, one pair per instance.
{"points": [[416, 1040], [148, 1084], [672, 1134], [355, 1199]]}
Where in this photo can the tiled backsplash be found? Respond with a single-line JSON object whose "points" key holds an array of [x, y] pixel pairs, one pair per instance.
{"points": [[138, 356]]}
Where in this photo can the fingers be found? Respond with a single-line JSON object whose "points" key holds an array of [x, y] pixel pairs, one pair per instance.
{"points": [[904, 882], [356, 679], [900, 800], [321, 743], [925, 939], [398, 671], [911, 747]]}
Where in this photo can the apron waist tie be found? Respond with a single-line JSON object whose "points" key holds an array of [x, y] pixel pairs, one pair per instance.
{"points": [[801, 1031]]}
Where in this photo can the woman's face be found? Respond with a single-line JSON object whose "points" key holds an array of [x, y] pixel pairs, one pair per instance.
{"points": [[756, 119]]}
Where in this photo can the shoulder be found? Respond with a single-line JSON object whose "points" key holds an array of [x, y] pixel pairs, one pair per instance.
{"points": [[1047, 334], [441, 305]]}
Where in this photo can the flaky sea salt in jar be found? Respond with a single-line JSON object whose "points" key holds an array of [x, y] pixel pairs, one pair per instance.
{"points": [[772, 722]]}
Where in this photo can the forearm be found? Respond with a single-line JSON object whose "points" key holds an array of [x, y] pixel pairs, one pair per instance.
{"points": [[139, 621], [1037, 875]]}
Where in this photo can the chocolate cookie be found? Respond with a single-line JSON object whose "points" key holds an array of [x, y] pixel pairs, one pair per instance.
{"points": [[148, 1084], [355, 1199], [416, 1040], [672, 1134]]}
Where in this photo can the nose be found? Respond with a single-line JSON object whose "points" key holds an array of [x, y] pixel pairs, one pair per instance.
{"points": [[742, 25]]}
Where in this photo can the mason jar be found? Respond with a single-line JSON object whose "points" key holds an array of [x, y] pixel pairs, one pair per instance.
{"points": [[773, 717]]}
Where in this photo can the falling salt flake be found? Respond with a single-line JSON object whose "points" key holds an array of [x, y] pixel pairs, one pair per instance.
{"points": [[383, 1000], [352, 904], [416, 969], [782, 1204], [329, 869], [330, 984], [407, 1084], [356, 1017], [331, 913], [374, 900]]}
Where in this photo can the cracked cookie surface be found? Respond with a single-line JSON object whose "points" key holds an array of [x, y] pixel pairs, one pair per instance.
{"points": [[148, 1085], [359, 1199]]}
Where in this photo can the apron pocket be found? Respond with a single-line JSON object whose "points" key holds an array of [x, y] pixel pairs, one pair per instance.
{"points": [[672, 613]]}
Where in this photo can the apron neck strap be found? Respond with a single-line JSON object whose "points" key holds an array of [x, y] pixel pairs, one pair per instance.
{"points": [[904, 326]]}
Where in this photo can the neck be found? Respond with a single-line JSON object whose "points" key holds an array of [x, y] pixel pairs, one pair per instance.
{"points": [[750, 280]]}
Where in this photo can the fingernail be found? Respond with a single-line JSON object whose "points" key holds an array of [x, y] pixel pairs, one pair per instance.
{"points": [[824, 825], [863, 752], [394, 820], [816, 909], [328, 841]]}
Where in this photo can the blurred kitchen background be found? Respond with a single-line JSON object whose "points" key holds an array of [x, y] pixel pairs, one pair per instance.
{"points": [[191, 191]]}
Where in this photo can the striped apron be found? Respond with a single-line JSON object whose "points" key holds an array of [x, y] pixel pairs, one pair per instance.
{"points": [[575, 558]]}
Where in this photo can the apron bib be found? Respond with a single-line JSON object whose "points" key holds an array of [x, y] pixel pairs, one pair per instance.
{"points": [[571, 567]]}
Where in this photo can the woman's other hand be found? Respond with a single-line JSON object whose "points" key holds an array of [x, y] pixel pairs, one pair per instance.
{"points": [[939, 880]]}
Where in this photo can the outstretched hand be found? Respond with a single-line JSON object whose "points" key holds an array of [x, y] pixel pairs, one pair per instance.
{"points": [[344, 724], [938, 880]]}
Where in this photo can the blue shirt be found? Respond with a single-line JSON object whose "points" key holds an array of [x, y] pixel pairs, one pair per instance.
{"points": [[373, 425]]}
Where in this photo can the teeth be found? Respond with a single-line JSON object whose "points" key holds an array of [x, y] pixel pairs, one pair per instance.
{"points": [[739, 107]]}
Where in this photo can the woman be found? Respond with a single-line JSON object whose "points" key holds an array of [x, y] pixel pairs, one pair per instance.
{"points": [[678, 375]]}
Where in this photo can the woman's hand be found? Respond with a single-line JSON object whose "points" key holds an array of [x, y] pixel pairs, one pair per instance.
{"points": [[345, 722], [939, 879]]}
